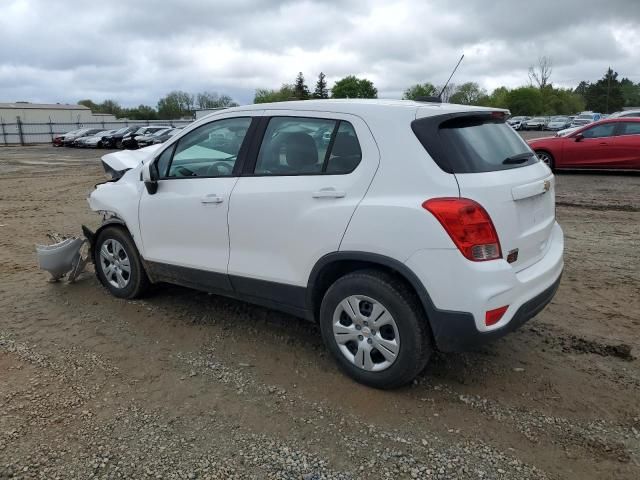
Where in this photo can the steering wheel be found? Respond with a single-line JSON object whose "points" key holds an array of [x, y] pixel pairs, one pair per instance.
{"points": [[219, 169]]}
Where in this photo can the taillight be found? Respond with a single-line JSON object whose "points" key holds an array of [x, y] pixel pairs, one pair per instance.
{"points": [[468, 225]]}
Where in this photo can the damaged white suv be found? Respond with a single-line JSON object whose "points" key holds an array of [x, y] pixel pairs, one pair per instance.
{"points": [[399, 226]]}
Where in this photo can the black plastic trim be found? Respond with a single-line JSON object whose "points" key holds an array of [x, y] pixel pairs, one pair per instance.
{"points": [[458, 334], [453, 331], [213, 282]]}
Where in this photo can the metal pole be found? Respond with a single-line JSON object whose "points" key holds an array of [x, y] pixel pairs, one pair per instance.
{"points": [[4, 133], [51, 128], [20, 131]]}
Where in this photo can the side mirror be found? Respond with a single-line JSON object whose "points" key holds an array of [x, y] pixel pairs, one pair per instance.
{"points": [[579, 137], [150, 177]]}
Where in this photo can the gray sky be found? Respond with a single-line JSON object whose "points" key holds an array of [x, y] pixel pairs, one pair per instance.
{"points": [[136, 51]]}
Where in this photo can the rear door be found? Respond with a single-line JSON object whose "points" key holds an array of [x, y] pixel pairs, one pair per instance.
{"points": [[293, 203], [626, 146], [496, 168]]}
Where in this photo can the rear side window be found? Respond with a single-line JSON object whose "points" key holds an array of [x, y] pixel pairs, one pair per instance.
{"points": [[630, 128], [308, 146], [472, 143]]}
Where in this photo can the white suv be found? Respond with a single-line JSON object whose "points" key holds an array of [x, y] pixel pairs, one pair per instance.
{"points": [[399, 226]]}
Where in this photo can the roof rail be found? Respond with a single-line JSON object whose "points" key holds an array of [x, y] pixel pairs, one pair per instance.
{"points": [[432, 99]]}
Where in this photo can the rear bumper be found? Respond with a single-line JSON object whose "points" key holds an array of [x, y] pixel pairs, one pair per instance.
{"points": [[461, 292], [457, 332]]}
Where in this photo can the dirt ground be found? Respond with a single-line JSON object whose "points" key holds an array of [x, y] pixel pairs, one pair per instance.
{"points": [[182, 384]]}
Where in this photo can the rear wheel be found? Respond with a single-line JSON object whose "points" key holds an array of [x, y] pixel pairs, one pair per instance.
{"points": [[546, 157], [375, 329], [119, 144], [118, 265]]}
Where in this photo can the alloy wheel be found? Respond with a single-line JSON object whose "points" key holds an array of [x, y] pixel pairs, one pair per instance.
{"points": [[115, 264], [366, 333]]}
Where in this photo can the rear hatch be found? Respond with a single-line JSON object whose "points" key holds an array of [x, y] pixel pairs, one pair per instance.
{"points": [[496, 168]]}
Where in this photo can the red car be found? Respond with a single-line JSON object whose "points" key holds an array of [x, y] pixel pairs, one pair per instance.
{"points": [[610, 143]]}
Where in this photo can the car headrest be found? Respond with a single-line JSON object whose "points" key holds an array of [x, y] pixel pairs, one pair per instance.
{"points": [[345, 145], [300, 150]]}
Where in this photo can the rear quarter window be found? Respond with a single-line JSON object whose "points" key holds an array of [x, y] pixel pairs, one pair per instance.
{"points": [[472, 143]]}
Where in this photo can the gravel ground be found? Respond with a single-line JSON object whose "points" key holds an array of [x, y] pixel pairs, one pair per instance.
{"points": [[182, 384]]}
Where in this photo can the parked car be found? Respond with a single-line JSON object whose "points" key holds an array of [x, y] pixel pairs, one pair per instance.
{"points": [[558, 123], [93, 141], [129, 140], [536, 123], [517, 122], [608, 144], [415, 229], [69, 139], [566, 131], [158, 137], [115, 140], [58, 140], [585, 118], [625, 113]]}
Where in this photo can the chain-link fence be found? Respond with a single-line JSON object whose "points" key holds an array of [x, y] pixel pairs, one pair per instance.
{"points": [[23, 133]]}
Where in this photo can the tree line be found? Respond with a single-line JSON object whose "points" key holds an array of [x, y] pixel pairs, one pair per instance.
{"points": [[174, 105], [539, 97]]}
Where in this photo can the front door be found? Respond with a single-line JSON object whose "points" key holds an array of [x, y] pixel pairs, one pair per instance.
{"points": [[591, 151], [184, 224]]}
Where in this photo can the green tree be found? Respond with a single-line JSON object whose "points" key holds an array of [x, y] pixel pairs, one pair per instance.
{"points": [[420, 90], [525, 101], [630, 92], [499, 98], [89, 104], [141, 112], [606, 95], [470, 93], [354, 87], [321, 90], [213, 100], [176, 104], [266, 95], [300, 89]]}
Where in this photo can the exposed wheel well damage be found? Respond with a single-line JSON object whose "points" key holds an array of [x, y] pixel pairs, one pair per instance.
{"points": [[91, 236]]}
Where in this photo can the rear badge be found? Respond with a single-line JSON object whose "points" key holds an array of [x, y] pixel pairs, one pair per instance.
{"points": [[547, 185], [512, 256]]}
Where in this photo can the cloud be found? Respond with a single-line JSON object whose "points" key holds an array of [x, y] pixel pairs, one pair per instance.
{"points": [[135, 52]]}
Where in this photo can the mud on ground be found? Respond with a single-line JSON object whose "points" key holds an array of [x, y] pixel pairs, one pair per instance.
{"points": [[182, 384]]}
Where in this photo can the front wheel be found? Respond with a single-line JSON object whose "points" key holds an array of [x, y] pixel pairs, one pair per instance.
{"points": [[375, 329], [118, 265]]}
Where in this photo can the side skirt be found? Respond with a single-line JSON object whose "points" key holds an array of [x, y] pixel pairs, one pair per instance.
{"points": [[277, 296]]}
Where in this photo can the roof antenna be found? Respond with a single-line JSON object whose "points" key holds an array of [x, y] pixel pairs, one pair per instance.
{"points": [[450, 76]]}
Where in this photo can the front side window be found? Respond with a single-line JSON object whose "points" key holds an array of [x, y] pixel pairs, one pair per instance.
{"points": [[599, 131], [308, 146], [210, 150], [630, 128]]}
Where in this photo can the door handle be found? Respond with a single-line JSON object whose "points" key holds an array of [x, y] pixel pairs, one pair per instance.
{"points": [[328, 192], [211, 198]]}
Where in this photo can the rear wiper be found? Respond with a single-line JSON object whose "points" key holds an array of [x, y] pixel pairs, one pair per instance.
{"points": [[520, 158]]}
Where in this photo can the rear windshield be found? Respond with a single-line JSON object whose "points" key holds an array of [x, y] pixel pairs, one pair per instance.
{"points": [[472, 143]]}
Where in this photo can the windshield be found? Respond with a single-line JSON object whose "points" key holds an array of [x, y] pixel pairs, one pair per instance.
{"points": [[473, 144], [560, 119], [586, 116]]}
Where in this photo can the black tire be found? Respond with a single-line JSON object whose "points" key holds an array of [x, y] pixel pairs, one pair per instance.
{"points": [[119, 144], [415, 346], [136, 278], [551, 161]]}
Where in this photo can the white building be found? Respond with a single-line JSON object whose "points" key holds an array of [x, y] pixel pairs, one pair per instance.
{"points": [[50, 112]]}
